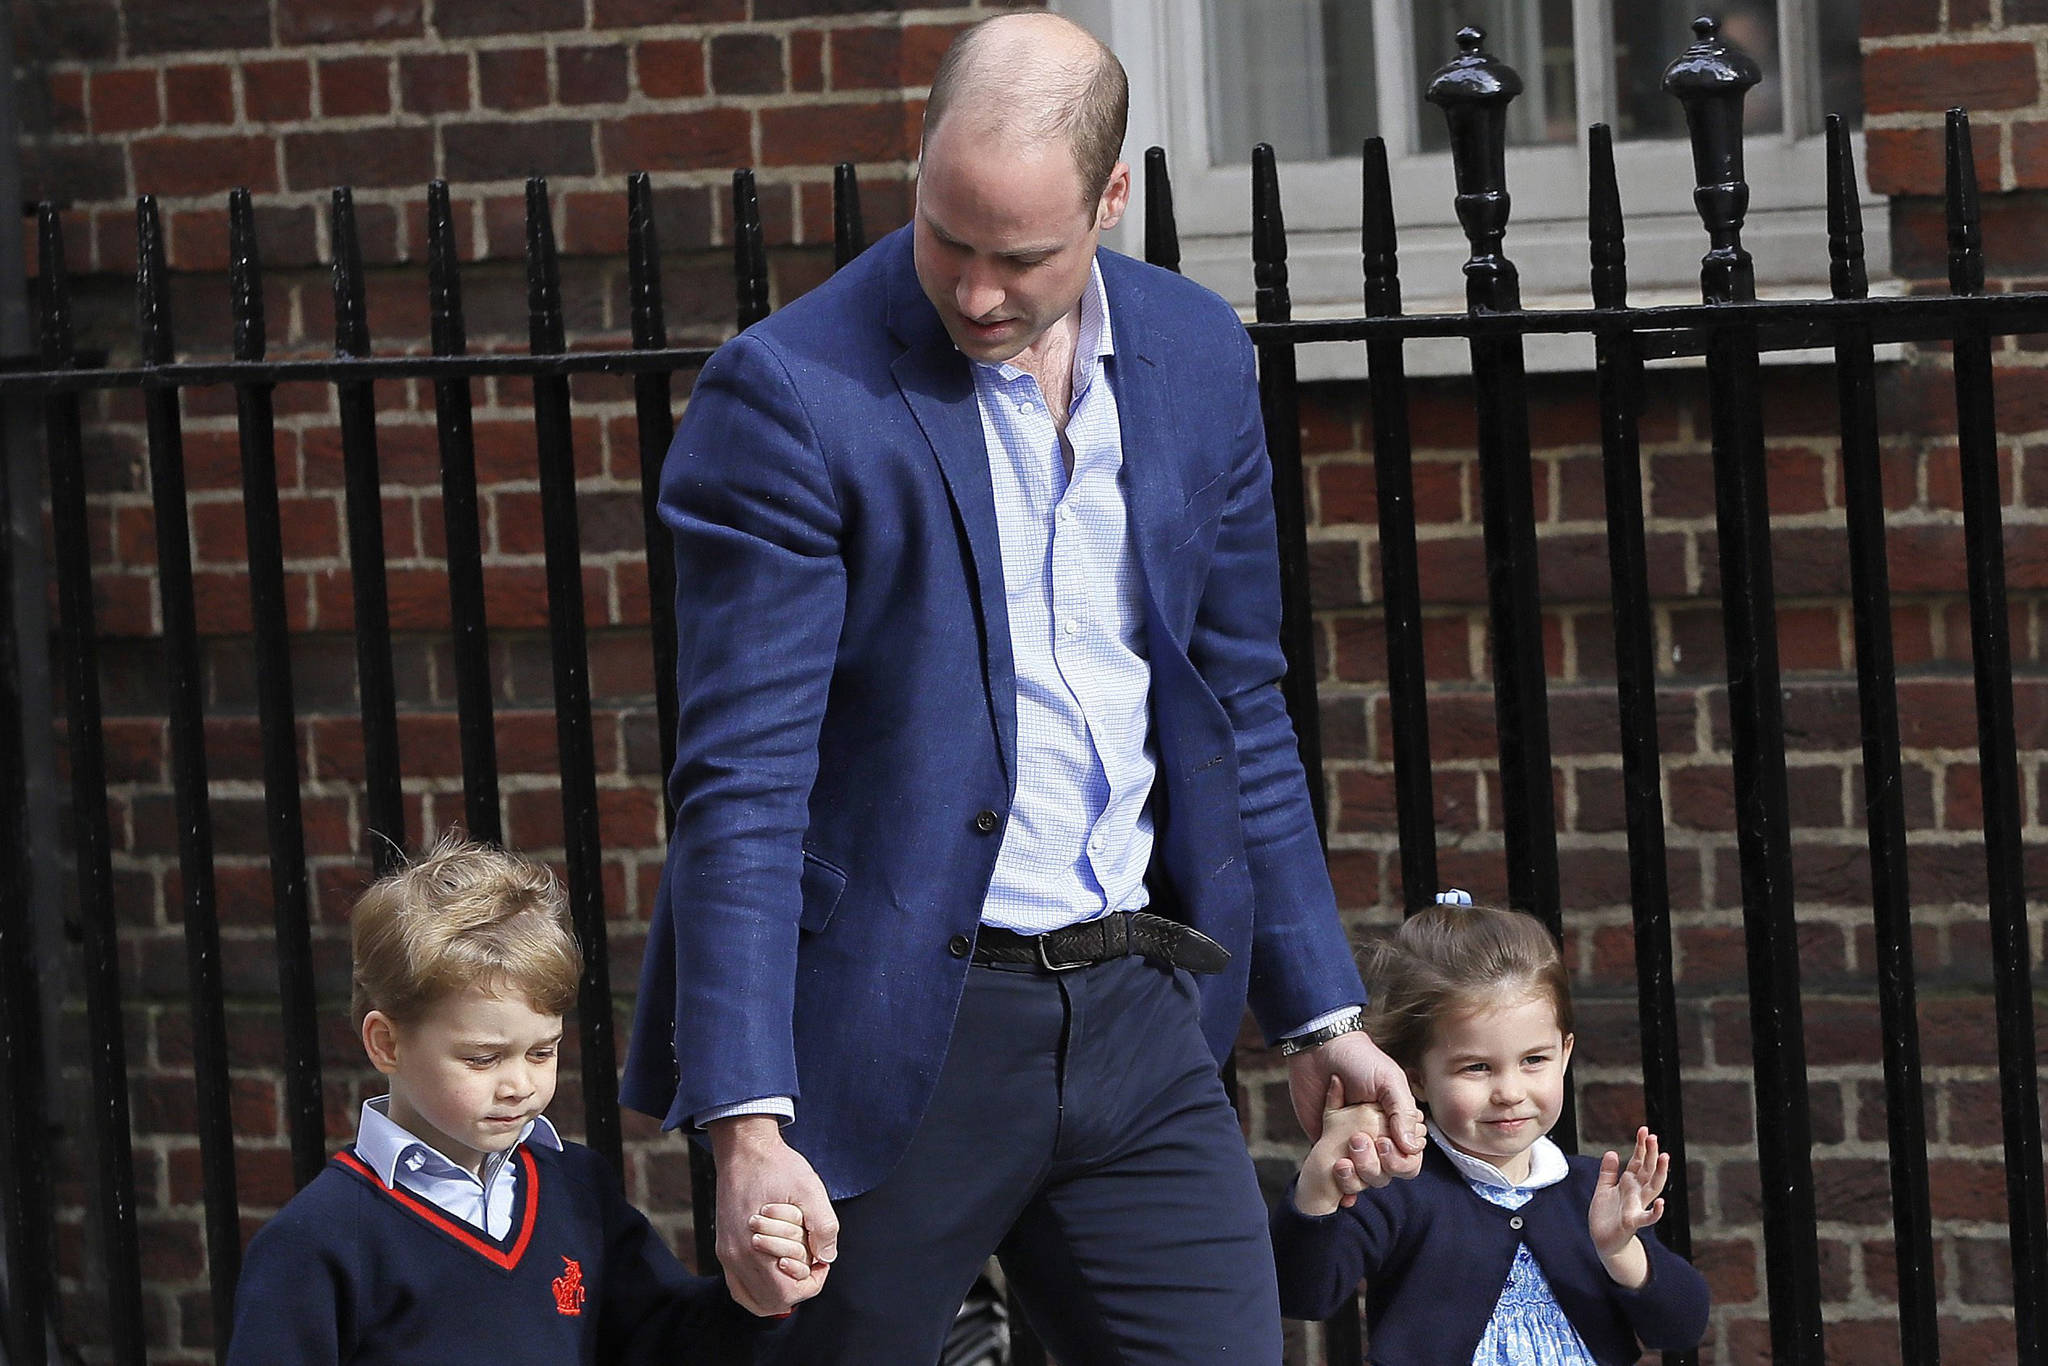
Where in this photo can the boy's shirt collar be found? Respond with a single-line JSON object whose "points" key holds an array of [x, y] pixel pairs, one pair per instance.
{"points": [[396, 1154]]}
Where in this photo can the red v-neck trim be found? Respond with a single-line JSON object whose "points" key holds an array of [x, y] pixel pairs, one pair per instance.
{"points": [[462, 1232]]}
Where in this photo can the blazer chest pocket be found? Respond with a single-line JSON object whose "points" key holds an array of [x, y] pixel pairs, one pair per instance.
{"points": [[823, 885]]}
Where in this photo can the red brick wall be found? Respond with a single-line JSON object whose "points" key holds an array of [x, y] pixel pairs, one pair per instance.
{"points": [[186, 97]]}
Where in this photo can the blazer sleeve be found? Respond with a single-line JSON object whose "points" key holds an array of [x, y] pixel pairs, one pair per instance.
{"points": [[760, 599], [1301, 961], [1668, 1312], [1321, 1259]]}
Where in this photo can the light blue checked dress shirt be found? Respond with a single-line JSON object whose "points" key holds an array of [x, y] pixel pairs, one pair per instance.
{"points": [[402, 1158], [1528, 1327], [1078, 838]]}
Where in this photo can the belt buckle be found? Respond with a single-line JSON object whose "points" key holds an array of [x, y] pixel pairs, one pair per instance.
{"points": [[1047, 963]]}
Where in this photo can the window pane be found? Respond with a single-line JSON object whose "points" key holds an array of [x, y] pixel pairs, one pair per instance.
{"points": [[1841, 61], [1649, 33], [1532, 36], [1296, 73]]}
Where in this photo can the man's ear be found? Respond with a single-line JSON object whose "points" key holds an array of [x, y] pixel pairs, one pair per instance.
{"points": [[1116, 197], [380, 1041]]}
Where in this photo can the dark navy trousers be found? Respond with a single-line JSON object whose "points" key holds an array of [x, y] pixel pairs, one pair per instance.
{"points": [[1080, 1133]]}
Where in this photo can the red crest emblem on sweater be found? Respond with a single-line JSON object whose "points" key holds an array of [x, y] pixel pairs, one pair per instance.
{"points": [[569, 1288]]}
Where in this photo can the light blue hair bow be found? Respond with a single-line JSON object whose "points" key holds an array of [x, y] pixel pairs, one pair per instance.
{"points": [[1456, 896]]}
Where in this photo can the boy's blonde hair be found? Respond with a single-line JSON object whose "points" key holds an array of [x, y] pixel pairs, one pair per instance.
{"points": [[462, 915], [1447, 959]]}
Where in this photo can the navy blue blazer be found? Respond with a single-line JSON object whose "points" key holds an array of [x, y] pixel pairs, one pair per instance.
{"points": [[848, 705]]}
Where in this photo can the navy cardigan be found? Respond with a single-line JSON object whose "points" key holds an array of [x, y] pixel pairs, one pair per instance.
{"points": [[1434, 1256]]}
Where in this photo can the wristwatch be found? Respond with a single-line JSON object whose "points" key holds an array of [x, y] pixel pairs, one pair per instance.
{"points": [[1316, 1038]]}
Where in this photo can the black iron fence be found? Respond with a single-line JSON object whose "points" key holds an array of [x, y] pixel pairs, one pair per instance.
{"points": [[1730, 329]]}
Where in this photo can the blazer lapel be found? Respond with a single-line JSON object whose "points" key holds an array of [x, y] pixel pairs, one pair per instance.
{"points": [[936, 383], [1155, 493]]}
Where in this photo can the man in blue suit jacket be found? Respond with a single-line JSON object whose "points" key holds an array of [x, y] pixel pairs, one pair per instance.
{"points": [[982, 763]]}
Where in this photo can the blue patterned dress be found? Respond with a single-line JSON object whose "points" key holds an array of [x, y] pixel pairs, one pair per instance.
{"points": [[1528, 1327]]}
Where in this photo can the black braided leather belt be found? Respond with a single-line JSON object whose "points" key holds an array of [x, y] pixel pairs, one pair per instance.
{"points": [[1116, 935]]}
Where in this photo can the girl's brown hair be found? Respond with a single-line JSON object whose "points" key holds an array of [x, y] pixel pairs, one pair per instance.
{"points": [[463, 915], [1447, 959]]}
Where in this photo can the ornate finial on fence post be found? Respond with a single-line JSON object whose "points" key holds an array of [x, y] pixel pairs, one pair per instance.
{"points": [[1162, 233], [1474, 90], [1710, 79], [1269, 240]]}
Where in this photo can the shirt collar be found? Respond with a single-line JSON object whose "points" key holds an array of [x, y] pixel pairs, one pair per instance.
{"points": [[1547, 1166], [383, 1144], [1095, 341]]}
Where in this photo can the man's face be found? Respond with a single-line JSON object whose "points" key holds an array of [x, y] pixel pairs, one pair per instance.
{"points": [[1003, 240]]}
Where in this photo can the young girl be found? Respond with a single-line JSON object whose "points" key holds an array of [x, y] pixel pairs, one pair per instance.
{"points": [[1503, 1249]]}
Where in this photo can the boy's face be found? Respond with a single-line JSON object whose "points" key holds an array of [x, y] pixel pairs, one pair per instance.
{"points": [[469, 1073]]}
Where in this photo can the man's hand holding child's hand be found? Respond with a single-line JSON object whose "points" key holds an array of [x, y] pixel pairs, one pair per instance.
{"points": [[777, 1235], [1627, 1199], [1355, 1141]]}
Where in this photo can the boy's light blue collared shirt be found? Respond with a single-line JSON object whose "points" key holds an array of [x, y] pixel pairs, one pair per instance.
{"points": [[401, 1158]]}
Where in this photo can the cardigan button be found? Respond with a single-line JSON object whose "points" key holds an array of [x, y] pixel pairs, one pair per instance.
{"points": [[960, 946], [1516, 1222], [986, 822]]}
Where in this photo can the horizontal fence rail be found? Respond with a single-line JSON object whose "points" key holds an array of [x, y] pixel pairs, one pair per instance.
{"points": [[1729, 329]]}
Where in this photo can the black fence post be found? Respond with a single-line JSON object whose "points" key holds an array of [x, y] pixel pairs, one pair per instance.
{"points": [[284, 825], [1998, 765], [1393, 472], [1474, 90], [749, 255], [455, 436], [1619, 367], [355, 400], [1280, 403], [1884, 798], [112, 1150], [1162, 232], [185, 685], [581, 845], [1711, 79], [849, 232], [25, 1145]]}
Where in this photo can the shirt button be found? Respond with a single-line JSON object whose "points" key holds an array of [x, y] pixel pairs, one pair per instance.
{"points": [[986, 821], [959, 946], [1069, 627], [1516, 1222]]}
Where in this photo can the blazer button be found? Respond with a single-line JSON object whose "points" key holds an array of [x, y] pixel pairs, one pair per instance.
{"points": [[959, 946], [1516, 1222], [986, 821]]}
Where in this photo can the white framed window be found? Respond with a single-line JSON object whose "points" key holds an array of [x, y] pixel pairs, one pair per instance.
{"points": [[1316, 77]]}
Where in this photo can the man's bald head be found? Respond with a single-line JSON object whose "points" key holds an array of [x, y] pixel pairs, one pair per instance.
{"points": [[1036, 77]]}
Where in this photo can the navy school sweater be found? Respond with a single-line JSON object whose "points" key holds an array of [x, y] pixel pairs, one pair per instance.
{"points": [[1434, 1256], [352, 1271]]}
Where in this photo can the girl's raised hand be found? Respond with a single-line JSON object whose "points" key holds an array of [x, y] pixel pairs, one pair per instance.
{"points": [[1625, 1199]]}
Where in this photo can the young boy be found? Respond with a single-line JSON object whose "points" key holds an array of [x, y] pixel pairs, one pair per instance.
{"points": [[460, 1227]]}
